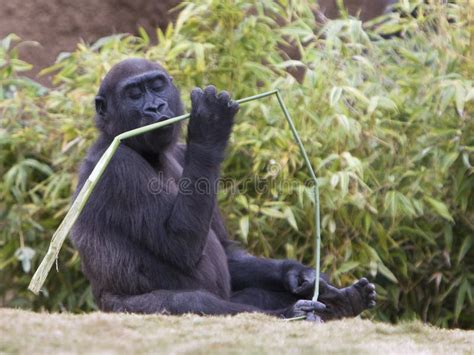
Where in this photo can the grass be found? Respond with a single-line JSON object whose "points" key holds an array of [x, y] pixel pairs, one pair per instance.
{"points": [[28, 332]]}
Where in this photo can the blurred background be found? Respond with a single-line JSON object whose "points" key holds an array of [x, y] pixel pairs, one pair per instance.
{"points": [[381, 93], [58, 26]]}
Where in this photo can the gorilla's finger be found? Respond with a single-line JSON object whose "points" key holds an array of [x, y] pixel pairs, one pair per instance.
{"points": [[309, 306], [311, 317], [210, 91], [196, 93], [309, 275], [370, 287], [319, 306], [223, 96], [371, 304], [304, 288], [306, 305], [234, 106], [363, 281]]}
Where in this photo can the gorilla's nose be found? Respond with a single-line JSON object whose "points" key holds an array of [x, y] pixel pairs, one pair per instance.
{"points": [[155, 108]]}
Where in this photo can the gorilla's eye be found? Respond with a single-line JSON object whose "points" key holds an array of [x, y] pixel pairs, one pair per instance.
{"points": [[157, 84], [134, 93]]}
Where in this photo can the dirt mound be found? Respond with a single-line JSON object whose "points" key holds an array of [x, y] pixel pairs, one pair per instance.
{"points": [[59, 24]]}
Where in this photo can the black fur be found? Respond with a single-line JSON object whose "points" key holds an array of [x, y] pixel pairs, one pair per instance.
{"points": [[149, 244]]}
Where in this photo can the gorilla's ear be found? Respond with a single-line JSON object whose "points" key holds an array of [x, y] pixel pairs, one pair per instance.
{"points": [[100, 105]]}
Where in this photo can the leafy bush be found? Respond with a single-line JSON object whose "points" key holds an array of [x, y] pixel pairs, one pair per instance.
{"points": [[387, 123]]}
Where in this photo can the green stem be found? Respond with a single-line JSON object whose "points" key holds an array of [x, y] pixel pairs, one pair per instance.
{"points": [[315, 191]]}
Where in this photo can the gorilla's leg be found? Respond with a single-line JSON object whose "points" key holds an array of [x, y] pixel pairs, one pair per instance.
{"points": [[264, 299], [340, 303], [198, 302], [172, 302]]}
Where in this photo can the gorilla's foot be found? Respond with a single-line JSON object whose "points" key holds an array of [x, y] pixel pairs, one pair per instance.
{"points": [[349, 301]]}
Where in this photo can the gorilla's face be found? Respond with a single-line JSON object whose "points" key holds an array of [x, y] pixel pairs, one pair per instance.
{"points": [[137, 93], [144, 98]]}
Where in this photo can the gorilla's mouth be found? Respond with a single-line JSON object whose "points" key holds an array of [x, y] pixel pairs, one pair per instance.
{"points": [[153, 118], [161, 133]]}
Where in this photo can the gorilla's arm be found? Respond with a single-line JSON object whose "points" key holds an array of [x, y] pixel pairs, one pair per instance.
{"points": [[192, 209], [279, 275], [208, 132], [248, 271]]}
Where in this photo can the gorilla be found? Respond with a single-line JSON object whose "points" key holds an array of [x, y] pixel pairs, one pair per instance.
{"points": [[152, 240]]}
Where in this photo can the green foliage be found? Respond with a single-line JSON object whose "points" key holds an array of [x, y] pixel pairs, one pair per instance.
{"points": [[387, 124]]}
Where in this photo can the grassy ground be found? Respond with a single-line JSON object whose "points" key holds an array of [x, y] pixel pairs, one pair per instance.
{"points": [[28, 332]]}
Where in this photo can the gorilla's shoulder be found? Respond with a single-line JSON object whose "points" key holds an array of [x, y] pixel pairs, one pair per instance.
{"points": [[125, 162]]}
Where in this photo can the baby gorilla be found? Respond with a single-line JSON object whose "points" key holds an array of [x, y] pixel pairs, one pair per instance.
{"points": [[152, 240]]}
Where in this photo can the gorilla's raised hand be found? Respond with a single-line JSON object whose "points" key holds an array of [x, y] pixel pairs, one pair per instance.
{"points": [[212, 117]]}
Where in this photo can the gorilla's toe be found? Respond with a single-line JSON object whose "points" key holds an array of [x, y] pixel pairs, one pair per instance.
{"points": [[362, 295]]}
